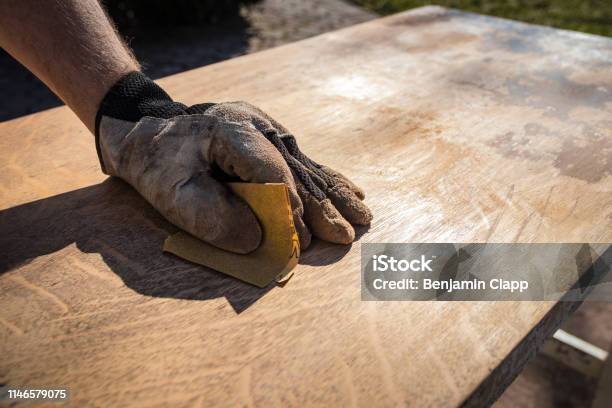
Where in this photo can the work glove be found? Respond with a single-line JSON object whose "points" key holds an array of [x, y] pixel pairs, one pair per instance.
{"points": [[177, 156]]}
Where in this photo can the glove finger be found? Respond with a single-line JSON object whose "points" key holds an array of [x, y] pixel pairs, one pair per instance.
{"points": [[343, 180], [342, 196], [330, 176], [324, 220], [211, 212], [346, 202], [241, 150], [320, 215]]}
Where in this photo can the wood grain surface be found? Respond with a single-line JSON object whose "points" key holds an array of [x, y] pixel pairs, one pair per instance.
{"points": [[461, 128]]}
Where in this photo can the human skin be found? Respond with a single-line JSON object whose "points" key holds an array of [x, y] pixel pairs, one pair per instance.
{"points": [[70, 45]]}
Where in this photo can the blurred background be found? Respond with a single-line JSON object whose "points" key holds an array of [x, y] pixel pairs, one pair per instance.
{"points": [[590, 16], [173, 36]]}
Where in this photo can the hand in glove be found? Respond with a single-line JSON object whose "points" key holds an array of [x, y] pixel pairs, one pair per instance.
{"points": [[170, 154]]}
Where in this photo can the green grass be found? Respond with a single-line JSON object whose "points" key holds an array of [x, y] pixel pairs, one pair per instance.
{"points": [[591, 16]]}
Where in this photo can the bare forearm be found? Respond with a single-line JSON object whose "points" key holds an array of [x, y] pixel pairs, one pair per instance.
{"points": [[70, 45]]}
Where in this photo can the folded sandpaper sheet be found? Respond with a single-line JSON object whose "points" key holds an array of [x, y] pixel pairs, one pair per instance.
{"points": [[275, 257]]}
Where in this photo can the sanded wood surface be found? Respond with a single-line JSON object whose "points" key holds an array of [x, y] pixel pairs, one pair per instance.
{"points": [[459, 127]]}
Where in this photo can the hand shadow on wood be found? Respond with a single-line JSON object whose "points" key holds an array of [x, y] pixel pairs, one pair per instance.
{"points": [[111, 219], [322, 253]]}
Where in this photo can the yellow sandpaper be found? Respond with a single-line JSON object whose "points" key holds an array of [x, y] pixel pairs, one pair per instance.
{"points": [[275, 257]]}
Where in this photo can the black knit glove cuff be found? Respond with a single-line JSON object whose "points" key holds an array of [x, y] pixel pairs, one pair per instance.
{"points": [[135, 96]]}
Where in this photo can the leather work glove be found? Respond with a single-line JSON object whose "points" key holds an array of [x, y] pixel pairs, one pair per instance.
{"points": [[175, 157]]}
